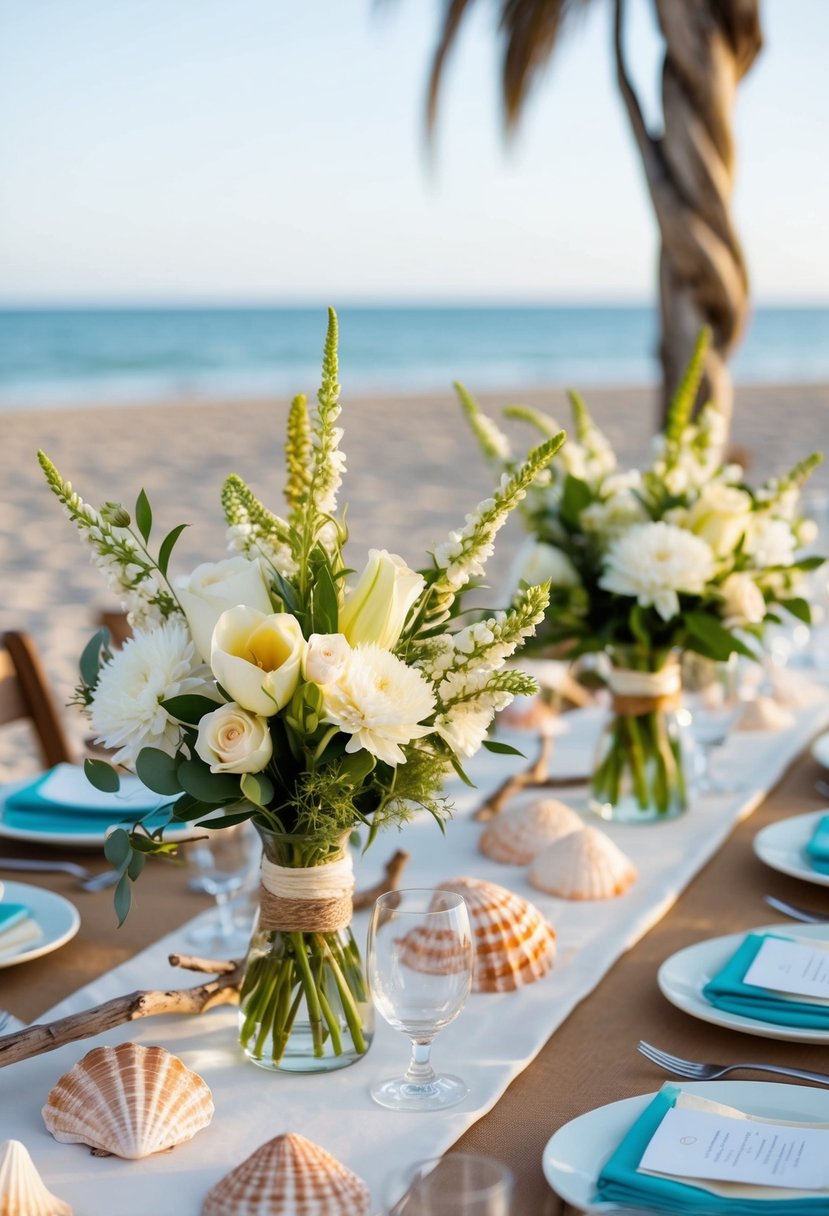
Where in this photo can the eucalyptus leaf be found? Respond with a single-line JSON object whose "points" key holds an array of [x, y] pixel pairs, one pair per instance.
{"points": [[258, 789], [197, 780], [123, 899], [227, 821], [136, 865], [714, 639], [158, 771], [102, 775], [576, 496], [799, 608], [117, 848], [144, 516], [90, 662]]}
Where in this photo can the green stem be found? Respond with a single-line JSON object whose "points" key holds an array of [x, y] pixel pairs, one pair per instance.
{"points": [[311, 995], [350, 1010]]}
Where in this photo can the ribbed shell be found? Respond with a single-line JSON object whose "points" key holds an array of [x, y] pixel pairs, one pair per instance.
{"points": [[130, 1101], [583, 865], [513, 943], [22, 1190], [289, 1176], [516, 836]]}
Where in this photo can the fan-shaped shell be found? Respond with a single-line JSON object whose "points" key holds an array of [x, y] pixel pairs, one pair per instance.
{"points": [[513, 943], [22, 1190], [289, 1176], [518, 835], [583, 865], [130, 1101]]}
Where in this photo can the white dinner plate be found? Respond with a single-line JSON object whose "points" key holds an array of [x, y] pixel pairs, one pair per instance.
{"points": [[683, 976], [58, 919], [781, 846], [71, 840], [573, 1158], [820, 749]]}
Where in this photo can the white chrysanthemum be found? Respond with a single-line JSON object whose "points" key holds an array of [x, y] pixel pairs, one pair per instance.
{"points": [[126, 711], [655, 561], [380, 702]]}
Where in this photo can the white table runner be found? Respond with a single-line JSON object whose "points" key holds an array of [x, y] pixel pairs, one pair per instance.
{"points": [[493, 1040]]}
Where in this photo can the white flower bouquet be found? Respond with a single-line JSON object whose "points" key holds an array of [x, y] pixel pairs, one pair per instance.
{"points": [[270, 686], [644, 564]]}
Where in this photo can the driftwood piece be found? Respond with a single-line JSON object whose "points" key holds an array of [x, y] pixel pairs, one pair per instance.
{"points": [[537, 776], [389, 882], [34, 1040]]}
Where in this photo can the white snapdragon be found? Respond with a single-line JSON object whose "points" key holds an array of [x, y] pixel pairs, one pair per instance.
{"points": [[770, 541]]}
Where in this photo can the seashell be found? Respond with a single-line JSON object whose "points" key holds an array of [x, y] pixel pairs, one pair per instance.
{"points": [[513, 943], [129, 1101], [518, 835], [289, 1176], [583, 865], [22, 1190], [763, 713]]}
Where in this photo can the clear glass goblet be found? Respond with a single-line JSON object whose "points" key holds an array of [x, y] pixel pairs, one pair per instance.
{"points": [[710, 692], [220, 864], [419, 963], [459, 1184]]}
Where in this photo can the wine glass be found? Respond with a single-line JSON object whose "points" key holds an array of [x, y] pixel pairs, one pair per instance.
{"points": [[420, 972], [459, 1184], [711, 694], [221, 863]]}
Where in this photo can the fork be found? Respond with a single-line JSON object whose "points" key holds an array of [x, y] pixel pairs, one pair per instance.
{"points": [[692, 1071], [86, 879], [795, 911]]}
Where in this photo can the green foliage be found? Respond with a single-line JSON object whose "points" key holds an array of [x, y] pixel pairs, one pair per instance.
{"points": [[144, 516], [492, 441], [543, 423], [682, 404], [102, 776]]}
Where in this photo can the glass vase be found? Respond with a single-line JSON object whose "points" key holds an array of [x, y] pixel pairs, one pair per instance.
{"points": [[639, 771], [304, 1003]]}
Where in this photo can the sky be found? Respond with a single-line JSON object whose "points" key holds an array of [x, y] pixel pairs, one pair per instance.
{"points": [[197, 151]]}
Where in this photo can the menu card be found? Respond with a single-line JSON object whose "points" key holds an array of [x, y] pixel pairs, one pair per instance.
{"points": [[799, 967]]}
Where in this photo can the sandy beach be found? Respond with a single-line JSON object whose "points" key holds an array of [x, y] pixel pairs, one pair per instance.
{"points": [[413, 472]]}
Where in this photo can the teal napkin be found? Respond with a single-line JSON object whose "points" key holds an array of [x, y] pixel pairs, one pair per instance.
{"points": [[11, 915], [619, 1182], [62, 800], [817, 850], [727, 991]]}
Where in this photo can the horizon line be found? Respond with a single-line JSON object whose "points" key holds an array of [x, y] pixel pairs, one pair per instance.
{"points": [[248, 304]]}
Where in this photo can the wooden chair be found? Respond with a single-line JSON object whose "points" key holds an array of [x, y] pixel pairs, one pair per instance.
{"points": [[117, 624], [25, 693]]}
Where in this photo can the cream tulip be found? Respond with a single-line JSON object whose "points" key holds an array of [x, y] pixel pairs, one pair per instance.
{"points": [[231, 740], [257, 658], [214, 587], [376, 610]]}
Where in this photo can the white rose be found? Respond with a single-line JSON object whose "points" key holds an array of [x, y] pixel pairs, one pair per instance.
{"points": [[743, 602], [231, 740], [326, 657], [376, 610], [257, 658], [214, 587], [720, 516], [537, 562]]}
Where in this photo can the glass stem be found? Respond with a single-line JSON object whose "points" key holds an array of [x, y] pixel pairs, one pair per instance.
{"points": [[420, 1071], [225, 919]]}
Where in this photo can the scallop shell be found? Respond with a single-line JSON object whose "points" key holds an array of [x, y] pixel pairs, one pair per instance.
{"points": [[289, 1176], [514, 945], [129, 1101], [516, 836], [22, 1190], [583, 865]]}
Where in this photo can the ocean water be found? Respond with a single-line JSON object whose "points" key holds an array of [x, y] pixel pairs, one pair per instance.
{"points": [[75, 356]]}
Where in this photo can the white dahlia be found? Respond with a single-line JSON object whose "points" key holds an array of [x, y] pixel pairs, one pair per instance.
{"points": [[380, 702], [655, 561], [126, 711]]}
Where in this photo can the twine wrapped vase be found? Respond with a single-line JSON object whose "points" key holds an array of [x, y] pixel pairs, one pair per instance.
{"points": [[304, 1003], [639, 775]]}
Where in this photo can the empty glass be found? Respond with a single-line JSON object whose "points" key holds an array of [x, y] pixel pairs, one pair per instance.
{"points": [[419, 970], [221, 863], [459, 1184], [710, 692]]}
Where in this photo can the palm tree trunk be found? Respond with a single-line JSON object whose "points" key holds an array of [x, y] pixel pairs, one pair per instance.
{"points": [[709, 46]]}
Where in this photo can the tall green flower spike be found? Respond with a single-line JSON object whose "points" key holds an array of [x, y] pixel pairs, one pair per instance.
{"points": [[582, 420], [243, 510], [329, 461], [542, 422], [682, 402], [298, 453], [492, 441]]}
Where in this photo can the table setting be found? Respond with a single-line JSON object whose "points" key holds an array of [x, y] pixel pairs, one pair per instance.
{"points": [[283, 695]]}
